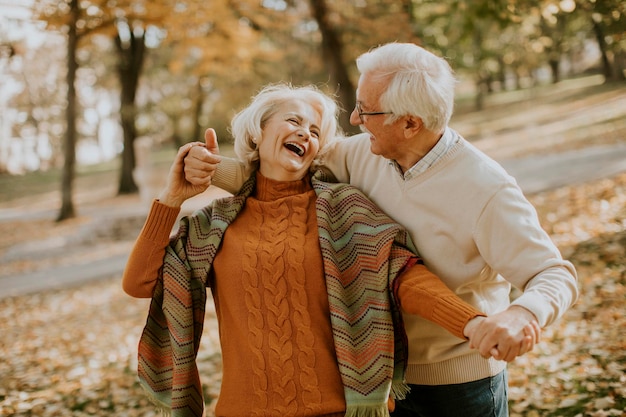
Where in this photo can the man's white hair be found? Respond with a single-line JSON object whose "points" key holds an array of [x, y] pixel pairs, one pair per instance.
{"points": [[419, 83]]}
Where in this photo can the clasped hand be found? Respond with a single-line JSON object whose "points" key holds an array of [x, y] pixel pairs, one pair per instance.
{"points": [[505, 335]]}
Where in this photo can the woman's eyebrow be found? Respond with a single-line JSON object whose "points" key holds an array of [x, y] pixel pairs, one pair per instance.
{"points": [[296, 115], [300, 118]]}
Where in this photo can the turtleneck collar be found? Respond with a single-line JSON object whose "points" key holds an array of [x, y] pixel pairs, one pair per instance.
{"points": [[269, 190]]}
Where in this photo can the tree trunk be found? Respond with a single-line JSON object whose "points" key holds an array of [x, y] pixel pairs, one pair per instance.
{"points": [[332, 53], [501, 73], [198, 133], [67, 204], [619, 64], [606, 64], [481, 92], [131, 56], [554, 69], [480, 79]]}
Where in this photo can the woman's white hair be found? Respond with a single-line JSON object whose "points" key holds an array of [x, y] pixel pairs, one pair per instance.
{"points": [[247, 125], [419, 83]]}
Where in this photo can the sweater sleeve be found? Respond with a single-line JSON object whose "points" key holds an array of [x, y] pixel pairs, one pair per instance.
{"points": [[341, 156], [229, 175], [422, 293], [146, 257], [511, 240]]}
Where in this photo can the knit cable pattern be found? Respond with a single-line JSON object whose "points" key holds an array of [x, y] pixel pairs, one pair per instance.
{"points": [[294, 255], [279, 272], [256, 322], [280, 346]]}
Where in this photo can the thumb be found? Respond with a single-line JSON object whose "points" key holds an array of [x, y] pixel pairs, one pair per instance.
{"points": [[210, 138]]}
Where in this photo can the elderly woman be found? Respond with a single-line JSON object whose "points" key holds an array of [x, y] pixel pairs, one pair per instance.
{"points": [[308, 279]]}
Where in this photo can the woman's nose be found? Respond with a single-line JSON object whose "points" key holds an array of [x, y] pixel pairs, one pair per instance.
{"points": [[303, 133]]}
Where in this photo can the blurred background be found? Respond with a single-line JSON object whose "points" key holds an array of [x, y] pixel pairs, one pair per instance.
{"points": [[97, 95], [81, 80]]}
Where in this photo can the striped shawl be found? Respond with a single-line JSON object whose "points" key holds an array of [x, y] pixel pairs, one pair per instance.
{"points": [[363, 252]]}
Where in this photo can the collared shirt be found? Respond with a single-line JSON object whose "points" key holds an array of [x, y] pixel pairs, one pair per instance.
{"points": [[442, 146]]}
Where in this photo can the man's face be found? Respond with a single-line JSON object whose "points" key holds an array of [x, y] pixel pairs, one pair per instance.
{"points": [[384, 139]]}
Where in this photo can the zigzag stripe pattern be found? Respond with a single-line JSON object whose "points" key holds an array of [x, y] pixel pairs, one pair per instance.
{"points": [[363, 253], [171, 338], [167, 353]]}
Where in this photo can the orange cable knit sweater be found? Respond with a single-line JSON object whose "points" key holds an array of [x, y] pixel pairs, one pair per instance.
{"points": [[272, 307]]}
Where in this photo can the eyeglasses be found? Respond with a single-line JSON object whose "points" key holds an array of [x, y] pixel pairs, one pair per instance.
{"points": [[362, 113]]}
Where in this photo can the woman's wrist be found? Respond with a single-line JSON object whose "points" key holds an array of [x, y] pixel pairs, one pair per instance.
{"points": [[166, 198], [471, 326]]}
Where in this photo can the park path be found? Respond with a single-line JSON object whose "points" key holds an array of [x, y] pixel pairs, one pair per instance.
{"points": [[545, 172], [97, 248]]}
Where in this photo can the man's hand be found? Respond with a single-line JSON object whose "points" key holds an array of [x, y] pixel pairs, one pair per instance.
{"points": [[179, 187], [505, 335], [201, 161]]}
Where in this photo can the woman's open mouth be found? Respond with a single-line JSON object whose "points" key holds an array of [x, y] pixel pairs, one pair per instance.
{"points": [[295, 148]]}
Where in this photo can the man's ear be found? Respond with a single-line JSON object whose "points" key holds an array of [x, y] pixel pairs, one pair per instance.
{"points": [[412, 126]]}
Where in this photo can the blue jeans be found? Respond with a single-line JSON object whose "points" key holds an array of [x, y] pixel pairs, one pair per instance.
{"points": [[483, 398]]}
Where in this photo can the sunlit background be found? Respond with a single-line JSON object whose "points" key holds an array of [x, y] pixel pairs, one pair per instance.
{"points": [[96, 95], [195, 61]]}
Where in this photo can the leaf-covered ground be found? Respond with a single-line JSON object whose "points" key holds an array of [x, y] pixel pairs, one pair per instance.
{"points": [[579, 369], [72, 352]]}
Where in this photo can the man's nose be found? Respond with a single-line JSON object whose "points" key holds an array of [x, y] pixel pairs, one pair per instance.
{"points": [[355, 120]]}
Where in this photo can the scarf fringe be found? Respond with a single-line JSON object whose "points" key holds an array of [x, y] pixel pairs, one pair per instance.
{"points": [[162, 409], [380, 410], [399, 390]]}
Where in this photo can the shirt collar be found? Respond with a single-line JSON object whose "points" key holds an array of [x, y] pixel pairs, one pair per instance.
{"points": [[442, 146]]}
